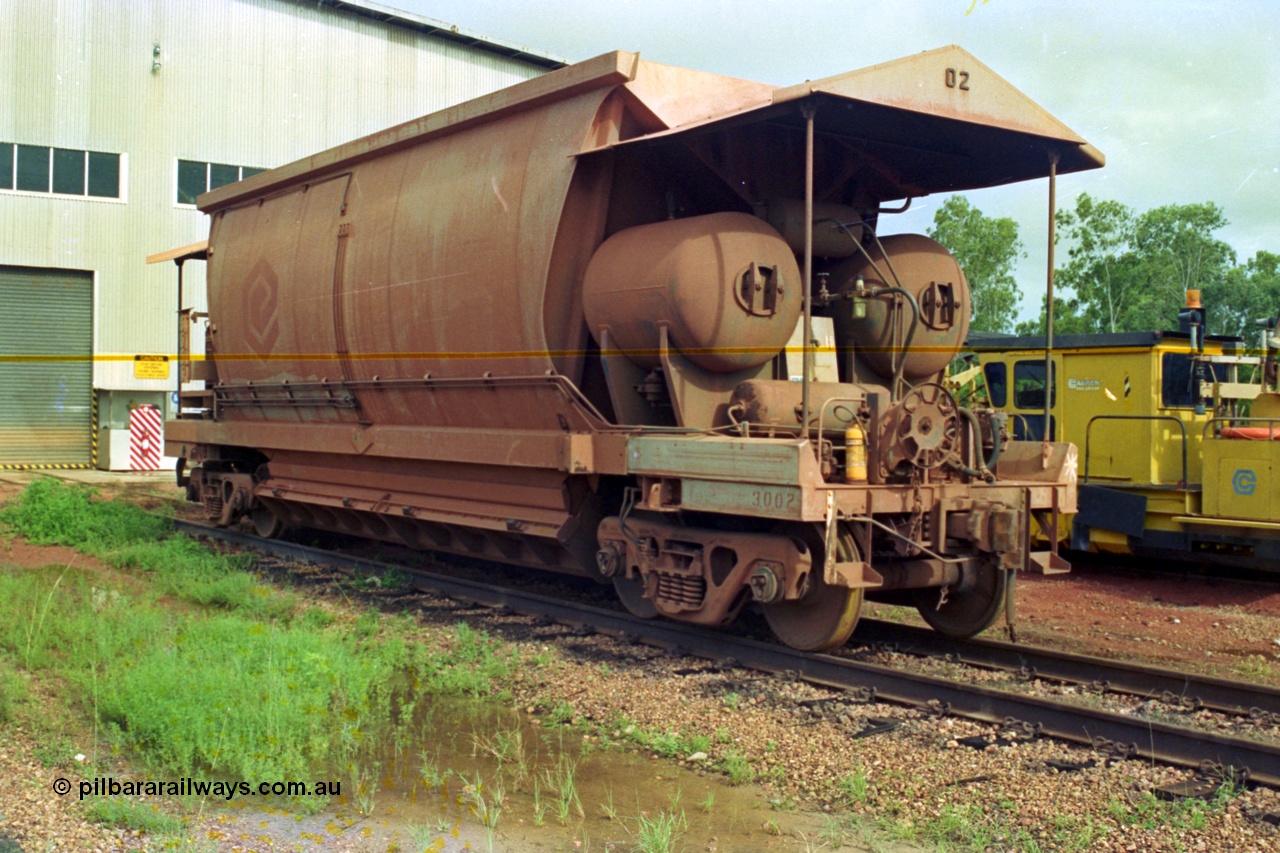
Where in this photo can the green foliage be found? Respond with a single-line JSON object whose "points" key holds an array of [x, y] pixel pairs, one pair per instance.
{"points": [[230, 687], [988, 250], [131, 814], [191, 572], [1129, 271], [49, 512], [1250, 292], [13, 692], [659, 834], [737, 767], [853, 787]]}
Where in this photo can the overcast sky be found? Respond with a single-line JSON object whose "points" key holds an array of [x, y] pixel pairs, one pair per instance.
{"points": [[1182, 97]]}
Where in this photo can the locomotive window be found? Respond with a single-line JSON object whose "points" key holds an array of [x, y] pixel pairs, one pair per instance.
{"points": [[1031, 427], [997, 383], [1177, 382], [59, 171], [195, 178], [1028, 386]]}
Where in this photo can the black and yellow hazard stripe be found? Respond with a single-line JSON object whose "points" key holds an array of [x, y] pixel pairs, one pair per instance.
{"points": [[93, 428], [47, 466]]}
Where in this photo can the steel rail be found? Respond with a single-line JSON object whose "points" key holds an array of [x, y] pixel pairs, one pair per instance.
{"points": [[1217, 694], [1149, 739]]}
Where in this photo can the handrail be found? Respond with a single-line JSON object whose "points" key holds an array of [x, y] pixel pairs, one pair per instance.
{"points": [[1182, 484], [1270, 422]]}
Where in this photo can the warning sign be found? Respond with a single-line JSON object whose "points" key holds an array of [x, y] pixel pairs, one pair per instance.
{"points": [[151, 367]]}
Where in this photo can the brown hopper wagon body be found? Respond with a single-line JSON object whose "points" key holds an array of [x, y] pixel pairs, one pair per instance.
{"points": [[563, 326]]}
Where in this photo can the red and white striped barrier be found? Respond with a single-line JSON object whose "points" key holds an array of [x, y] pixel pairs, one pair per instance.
{"points": [[146, 438]]}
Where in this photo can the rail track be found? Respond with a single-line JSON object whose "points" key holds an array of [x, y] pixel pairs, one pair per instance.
{"points": [[1118, 734], [1182, 689]]}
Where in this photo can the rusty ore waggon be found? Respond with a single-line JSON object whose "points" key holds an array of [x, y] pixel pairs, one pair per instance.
{"points": [[550, 327]]}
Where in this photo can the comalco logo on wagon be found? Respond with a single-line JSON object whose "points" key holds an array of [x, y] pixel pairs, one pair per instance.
{"points": [[1084, 384], [1245, 481]]}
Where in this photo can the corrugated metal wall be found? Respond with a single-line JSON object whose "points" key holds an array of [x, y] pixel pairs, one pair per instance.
{"points": [[243, 82], [46, 395]]}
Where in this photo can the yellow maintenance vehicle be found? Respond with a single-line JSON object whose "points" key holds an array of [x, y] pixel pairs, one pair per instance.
{"points": [[1176, 432]]}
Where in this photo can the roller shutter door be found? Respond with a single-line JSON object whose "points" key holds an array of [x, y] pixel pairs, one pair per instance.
{"points": [[46, 367]]}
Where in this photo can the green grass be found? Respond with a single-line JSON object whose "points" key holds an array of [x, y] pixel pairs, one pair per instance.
{"points": [[228, 683], [853, 787], [661, 833], [13, 691], [131, 814], [737, 767]]}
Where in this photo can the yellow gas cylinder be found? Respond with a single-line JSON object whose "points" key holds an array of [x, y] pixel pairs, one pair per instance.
{"points": [[855, 454]]}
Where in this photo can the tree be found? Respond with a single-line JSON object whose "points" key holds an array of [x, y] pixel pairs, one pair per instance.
{"points": [[1130, 272], [1178, 252], [987, 250], [1248, 293], [1099, 268]]}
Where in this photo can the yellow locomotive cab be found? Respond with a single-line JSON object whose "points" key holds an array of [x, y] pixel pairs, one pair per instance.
{"points": [[1176, 456]]}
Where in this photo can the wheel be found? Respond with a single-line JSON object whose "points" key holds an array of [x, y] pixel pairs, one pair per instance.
{"points": [[825, 616], [266, 523], [969, 610], [631, 594]]}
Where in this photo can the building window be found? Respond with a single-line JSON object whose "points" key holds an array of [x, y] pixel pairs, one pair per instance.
{"points": [[196, 178], [59, 171]]}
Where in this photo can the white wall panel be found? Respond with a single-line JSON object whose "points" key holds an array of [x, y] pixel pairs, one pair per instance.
{"points": [[243, 82]]}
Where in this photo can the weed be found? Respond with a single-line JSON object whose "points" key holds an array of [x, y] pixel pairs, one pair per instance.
{"points": [[832, 833], [732, 701], [659, 834], [967, 826], [708, 802], [13, 692], [562, 782], [540, 806], [507, 746], [424, 838], [486, 804], [607, 808], [853, 787], [54, 750], [430, 772], [669, 744], [1257, 668], [394, 578], [49, 512], [737, 767], [131, 814], [559, 714]]}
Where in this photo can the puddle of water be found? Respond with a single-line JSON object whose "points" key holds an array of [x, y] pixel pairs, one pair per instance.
{"points": [[485, 778]]}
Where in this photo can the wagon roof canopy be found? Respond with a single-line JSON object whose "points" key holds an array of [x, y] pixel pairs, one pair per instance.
{"points": [[938, 121]]}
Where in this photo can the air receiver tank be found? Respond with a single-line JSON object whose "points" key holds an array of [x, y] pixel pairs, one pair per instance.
{"points": [[929, 273], [725, 284]]}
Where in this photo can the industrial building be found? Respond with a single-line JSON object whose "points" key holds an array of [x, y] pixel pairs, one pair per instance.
{"points": [[114, 116]]}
